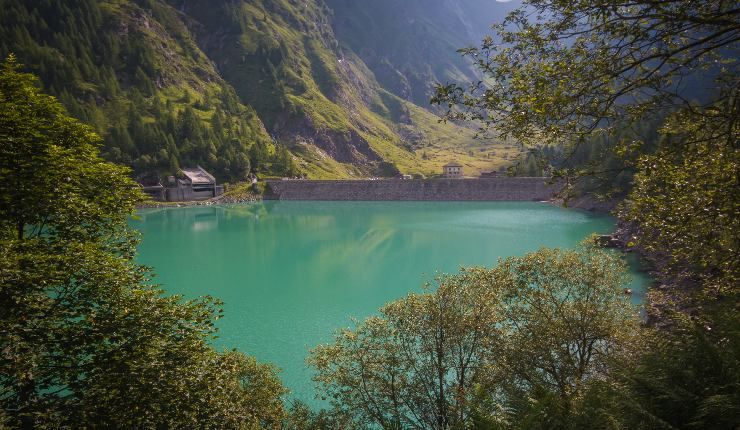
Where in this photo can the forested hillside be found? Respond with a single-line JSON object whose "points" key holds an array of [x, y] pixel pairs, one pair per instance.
{"points": [[133, 71], [253, 85]]}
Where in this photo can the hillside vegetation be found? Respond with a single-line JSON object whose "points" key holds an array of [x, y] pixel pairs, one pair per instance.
{"points": [[260, 86]]}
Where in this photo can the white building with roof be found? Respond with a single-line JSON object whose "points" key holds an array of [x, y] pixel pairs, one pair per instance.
{"points": [[452, 170]]}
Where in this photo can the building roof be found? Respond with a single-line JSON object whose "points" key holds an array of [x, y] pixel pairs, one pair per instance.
{"points": [[198, 175], [453, 164]]}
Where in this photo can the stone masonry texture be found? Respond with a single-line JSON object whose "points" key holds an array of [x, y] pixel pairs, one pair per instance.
{"points": [[493, 189]]}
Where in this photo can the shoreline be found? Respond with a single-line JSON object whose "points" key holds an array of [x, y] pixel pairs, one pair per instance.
{"points": [[587, 203], [220, 200], [438, 189]]}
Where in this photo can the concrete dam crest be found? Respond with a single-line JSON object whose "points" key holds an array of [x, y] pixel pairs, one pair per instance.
{"points": [[483, 189]]}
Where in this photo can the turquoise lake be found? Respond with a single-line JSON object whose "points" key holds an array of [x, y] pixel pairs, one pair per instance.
{"points": [[291, 273]]}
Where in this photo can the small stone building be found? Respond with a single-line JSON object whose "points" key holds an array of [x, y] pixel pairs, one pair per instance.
{"points": [[195, 184], [453, 170]]}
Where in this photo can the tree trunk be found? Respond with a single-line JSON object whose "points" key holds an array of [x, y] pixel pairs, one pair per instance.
{"points": [[25, 395]]}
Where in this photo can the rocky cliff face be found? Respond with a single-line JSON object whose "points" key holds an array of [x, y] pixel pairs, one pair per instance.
{"points": [[412, 44]]}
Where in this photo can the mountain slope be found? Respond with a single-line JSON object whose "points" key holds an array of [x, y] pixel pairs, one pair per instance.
{"points": [[411, 44], [231, 84], [133, 71]]}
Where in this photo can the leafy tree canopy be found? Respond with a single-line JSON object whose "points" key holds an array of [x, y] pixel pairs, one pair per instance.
{"points": [[685, 201], [655, 86], [558, 70], [87, 340], [562, 72], [53, 182], [481, 346]]}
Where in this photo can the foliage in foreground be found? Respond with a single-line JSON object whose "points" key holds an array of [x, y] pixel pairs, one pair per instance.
{"points": [[689, 378], [544, 341], [602, 71], [685, 207], [596, 69], [558, 71], [686, 204], [595, 80], [521, 342], [86, 339]]}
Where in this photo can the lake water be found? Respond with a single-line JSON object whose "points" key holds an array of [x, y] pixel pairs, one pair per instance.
{"points": [[291, 273]]}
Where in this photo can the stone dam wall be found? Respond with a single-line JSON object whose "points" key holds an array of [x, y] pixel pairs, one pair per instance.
{"points": [[489, 189]]}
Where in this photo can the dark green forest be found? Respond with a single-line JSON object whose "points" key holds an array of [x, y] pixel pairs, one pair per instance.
{"points": [[155, 113]]}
